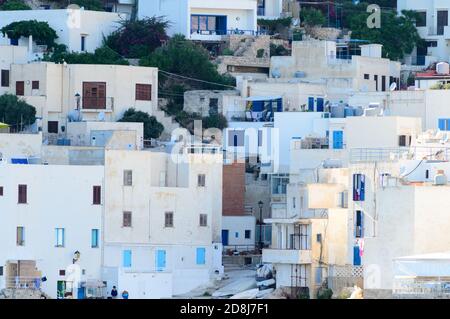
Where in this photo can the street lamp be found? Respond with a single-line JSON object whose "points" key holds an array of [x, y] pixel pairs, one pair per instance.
{"points": [[260, 204]]}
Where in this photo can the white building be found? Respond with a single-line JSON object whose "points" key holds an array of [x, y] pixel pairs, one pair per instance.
{"points": [[204, 19], [164, 229], [270, 9], [80, 30], [99, 92], [48, 213], [433, 27]]}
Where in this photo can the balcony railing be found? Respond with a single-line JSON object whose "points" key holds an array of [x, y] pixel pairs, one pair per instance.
{"points": [[97, 103], [436, 288], [228, 32], [18, 282]]}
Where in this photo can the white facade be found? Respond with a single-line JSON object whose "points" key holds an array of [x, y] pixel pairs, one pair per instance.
{"points": [[223, 17], [184, 253], [241, 231], [58, 86], [56, 197], [435, 30], [80, 30]]}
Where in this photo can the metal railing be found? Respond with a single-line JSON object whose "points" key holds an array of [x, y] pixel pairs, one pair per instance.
{"points": [[395, 154], [410, 287], [339, 59], [228, 32], [18, 282], [97, 103]]}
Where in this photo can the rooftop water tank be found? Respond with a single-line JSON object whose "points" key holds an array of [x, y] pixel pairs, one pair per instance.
{"points": [[337, 111], [348, 111], [440, 178], [442, 68]]}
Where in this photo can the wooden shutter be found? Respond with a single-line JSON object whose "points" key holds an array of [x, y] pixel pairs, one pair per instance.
{"points": [[94, 95], [22, 194], [5, 78], [97, 191], [143, 92], [20, 88]]}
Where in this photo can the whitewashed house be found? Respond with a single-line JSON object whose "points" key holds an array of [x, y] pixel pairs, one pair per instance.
{"points": [[80, 30], [433, 27], [204, 19]]}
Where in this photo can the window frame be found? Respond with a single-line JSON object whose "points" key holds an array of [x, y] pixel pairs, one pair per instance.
{"points": [[20, 241], [143, 92], [169, 220], [62, 232], [127, 219], [22, 190], [128, 177], [96, 195], [203, 220], [201, 180]]}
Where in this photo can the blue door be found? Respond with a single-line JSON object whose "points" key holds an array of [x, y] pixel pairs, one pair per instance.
{"points": [[81, 293], [127, 258], [320, 104], [356, 256], [221, 24], [338, 140], [225, 233], [160, 260], [311, 104], [201, 256]]}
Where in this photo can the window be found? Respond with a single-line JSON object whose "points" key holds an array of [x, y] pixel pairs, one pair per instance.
{"points": [[94, 95], [1, 190], [402, 140], [213, 106], [96, 195], [201, 256], [427, 174], [1, 270], [359, 225], [203, 220], [293, 202], [421, 20], [236, 138], [236, 234], [432, 44], [375, 77], [20, 88], [62, 272], [14, 42], [35, 85], [366, 76], [22, 194], [60, 237], [94, 238], [248, 234], [383, 83], [52, 127], [127, 258], [20, 236], [279, 184], [126, 222], [83, 43], [208, 24], [5, 78], [319, 238], [168, 219], [143, 92], [359, 187], [201, 180], [128, 178]]}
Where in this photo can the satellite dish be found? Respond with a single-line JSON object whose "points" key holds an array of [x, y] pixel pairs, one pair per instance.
{"points": [[393, 86], [101, 116]]}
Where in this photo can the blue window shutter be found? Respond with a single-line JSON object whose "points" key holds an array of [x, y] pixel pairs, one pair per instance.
{"points": [[311, 104], [338, 140], [127, 258], [320, 104], [160, 260], [363, 188], [441, 124], [94, 238], [201, 256]]}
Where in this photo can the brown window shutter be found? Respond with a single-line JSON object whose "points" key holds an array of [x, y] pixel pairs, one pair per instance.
{"points": [[20, 88], [94, 95], [97, 193], [143, 92], [22, 194]]}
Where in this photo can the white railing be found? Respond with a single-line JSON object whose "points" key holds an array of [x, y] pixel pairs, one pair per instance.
{"points": [[18, 282], [413, 287], [346, 271]]}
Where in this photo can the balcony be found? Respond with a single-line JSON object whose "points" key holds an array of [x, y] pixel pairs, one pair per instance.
{"points": [[97, 104], [284, 256]]}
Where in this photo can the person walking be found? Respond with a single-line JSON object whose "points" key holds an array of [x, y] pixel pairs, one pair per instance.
{"points": [[125, 294], [114, 292]]}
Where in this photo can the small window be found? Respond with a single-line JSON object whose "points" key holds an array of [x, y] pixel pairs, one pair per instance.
{"points": [[402, 140], [359, 224], [127, 258], [203, 220], [294, 202], [97, 195], [35, 85], [1, 190], [366, 76], [201, 180], [421, 20], [127, 219], [60, 237], [1, 270], [359, 187], [427, 174], [201, 256], [236, 234], [319, 238], [94, 238], [62, 272], [168, 219], [248, 234], [5, 78], [83, 43], [53, 127], [143, 92], [128, 178], [22, 194], [20, 236]]}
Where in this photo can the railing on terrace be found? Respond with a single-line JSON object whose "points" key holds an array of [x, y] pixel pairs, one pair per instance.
{"points": [[339, 59], [228, 32], [413, 287], [18, 282], [395, 154], [239, 249]]}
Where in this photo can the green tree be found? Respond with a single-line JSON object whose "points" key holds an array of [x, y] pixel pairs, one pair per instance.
{"points": [[312, 17], [11, 5], [152, 128], [102, 55], [42, 33], [215, 121], [137, 39], [15, 112], [94, 5]]}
